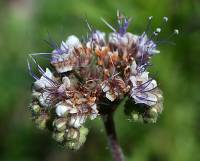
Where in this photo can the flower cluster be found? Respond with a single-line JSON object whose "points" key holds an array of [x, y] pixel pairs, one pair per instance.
{"points": [[86, 75]]}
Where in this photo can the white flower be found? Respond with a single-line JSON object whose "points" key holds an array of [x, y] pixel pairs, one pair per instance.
{"points": [[144, 97], [66, 84], [72, 43], [45, 99], [64, 68], [126, 40], [142, 88], [62, 57], [61, 110], [105, 87], [65, 107], [76, 121], [94, 112], [45, 81], [133, 68], [109, 95], [97, 38]]}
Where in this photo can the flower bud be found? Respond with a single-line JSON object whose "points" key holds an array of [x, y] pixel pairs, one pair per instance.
{"points": [[58, 136], [153, 113], [60, 124], [136, 117], [72, 134], [150, 120], [73, 145], [41, 121], [76, 138], [35, 108]]}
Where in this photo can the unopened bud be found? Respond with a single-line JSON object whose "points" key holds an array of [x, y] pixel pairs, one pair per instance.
{"points": [[58, 136], [150, 120], [76, 140], [41, 121], [153, 113], [72, 134], [83, 135], [135, 116], [72, 145], [35, 108], [60, 124]]}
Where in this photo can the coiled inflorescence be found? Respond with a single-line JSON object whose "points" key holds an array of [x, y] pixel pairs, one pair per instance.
{"points": [[89, 76]]}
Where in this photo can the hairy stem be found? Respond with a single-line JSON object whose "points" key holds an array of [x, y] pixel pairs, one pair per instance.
{"points": [[112, 137]]}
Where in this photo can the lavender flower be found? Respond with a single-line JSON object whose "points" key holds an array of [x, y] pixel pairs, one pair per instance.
{"points": [[146, 46], [89, 78]]}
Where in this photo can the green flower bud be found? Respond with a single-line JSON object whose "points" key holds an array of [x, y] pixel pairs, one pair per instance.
{"points": [[60, 124], [153, 113], [144, 113], [83, 135], [41, 121], [135, 116], [73, 145], [76, 138], [72, 134], [150, 120], [35, 108], [58, 136]]}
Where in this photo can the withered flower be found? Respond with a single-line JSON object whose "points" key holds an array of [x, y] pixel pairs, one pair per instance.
{"points": [[90, 78]]}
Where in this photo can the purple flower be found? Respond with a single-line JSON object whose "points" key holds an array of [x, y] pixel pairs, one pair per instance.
{"points": [[146, 46]]}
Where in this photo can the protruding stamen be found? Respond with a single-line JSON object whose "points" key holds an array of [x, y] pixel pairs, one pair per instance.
{"points": [[52, 43], [155, 33], [150, 17], [176, 31], [167, 40], [31, 72], [165, 18], [149, 24], [112, 28], [88, 25], [158, 30]]}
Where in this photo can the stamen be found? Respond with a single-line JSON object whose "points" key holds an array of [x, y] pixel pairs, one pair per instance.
{"points": [[150, 18], [112, 28], [42, 72], [148, 24], [176, 31], [31, 72], [158, 30], [88, 25], [52, 43], [165, 19], [123, 23]]}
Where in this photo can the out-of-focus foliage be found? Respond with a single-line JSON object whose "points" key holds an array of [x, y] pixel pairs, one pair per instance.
{"points": [[24, 24]]}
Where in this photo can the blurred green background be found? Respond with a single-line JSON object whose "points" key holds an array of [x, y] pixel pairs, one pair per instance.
{"points": [[24, 24]]}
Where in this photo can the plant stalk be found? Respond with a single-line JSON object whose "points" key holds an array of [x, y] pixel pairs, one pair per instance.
{"points": [[112, 137]]}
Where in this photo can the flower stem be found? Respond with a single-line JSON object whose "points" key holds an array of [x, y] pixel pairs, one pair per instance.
{"points": [[112, 137]]}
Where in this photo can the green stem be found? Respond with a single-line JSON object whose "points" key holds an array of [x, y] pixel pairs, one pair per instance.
{"points": [[112, 137]]}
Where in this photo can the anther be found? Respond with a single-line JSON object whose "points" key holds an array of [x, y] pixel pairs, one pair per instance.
{"points": [[176, 31], [158, 30], [165, 19]]}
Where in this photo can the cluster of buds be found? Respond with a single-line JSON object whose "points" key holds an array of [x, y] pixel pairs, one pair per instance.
{"points": [[89, 75]]}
